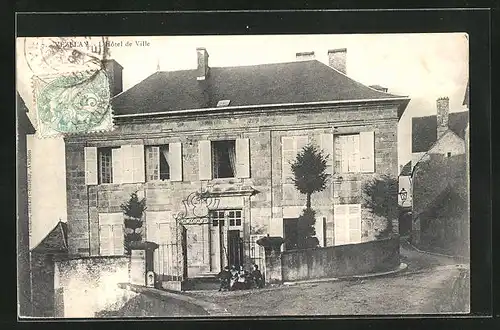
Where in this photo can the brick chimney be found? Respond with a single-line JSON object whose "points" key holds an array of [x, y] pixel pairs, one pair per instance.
{"points": [[114, 72], [337, 59], [443, 108], [305, 56], [202, 70]]}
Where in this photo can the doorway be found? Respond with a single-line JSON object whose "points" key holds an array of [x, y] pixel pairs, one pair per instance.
{"points": [[235, 247], [290, 227], [226, 245]]}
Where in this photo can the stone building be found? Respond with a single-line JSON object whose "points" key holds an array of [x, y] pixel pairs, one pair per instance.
{"points": [[439, 180], [23, 127], [231, 132]]}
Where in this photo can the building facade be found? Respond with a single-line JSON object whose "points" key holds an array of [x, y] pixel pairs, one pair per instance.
{"points": [[439, 183], [231, 132]]}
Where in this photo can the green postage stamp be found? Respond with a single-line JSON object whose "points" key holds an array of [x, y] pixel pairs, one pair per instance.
{"points": [[72, 103]]}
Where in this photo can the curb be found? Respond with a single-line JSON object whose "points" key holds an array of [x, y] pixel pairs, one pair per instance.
{"points": [[402, 267], [210, 308], [459, 258]]}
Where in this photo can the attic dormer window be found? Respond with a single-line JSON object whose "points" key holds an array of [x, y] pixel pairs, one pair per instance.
{"points": [[223, 103]]}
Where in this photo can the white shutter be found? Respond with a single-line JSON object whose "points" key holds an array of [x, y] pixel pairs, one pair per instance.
{"points": [[90, 154], [138, 163], [354, 222], [326, 144], [127, 164], [346, 151], [204, 160], [354, 156], [116, 157], [105, 240], [118, 239], [341, 226], [300, 142], [243, 158], [367, 151], [175, 150]]}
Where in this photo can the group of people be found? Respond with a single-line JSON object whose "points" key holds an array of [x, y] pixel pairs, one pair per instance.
{"points": [[239, 279]]}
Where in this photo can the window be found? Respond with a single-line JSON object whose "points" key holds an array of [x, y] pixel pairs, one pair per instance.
{"points": [[347, 223], [158, 163], [111, 234], [223, 159], [219, 217], [105, 165], [347, 155]]}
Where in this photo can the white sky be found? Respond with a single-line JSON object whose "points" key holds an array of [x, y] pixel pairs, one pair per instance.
{"points": [[421, 66]]}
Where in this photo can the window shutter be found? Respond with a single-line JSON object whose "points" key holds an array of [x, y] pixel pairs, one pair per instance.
{"points": [[354, 156], [243, 158], [118, 240], [300, 142], [354, 221], [105, 241], [326, 144], [127, 164], [90, 154], [116, 157], [204, 160], [341, 227], [367, 151], [138, 163], [175, 150], [152, 163]]}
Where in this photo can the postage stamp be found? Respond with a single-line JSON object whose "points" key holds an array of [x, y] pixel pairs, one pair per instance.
{"points": [[71, 91], [72, 103]]}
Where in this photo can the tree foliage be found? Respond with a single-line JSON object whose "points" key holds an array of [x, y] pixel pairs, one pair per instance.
{"points": [[309, 171], [309, 176], [380, 195], [305, 230], [133, 210]]}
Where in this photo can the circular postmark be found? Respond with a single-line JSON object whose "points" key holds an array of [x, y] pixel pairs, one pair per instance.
{"points": [[46, 56], [74, 103]]}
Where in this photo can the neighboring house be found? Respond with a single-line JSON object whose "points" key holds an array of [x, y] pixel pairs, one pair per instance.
{"points": [[24, 127], [231, 131], [439, 180], [46, 299]]}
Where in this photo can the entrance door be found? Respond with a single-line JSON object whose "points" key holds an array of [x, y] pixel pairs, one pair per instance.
{"points": [[290, 233], [235, 246], [217, 238]]}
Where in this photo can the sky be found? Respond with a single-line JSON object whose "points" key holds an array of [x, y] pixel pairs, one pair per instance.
{"points": [[421, 66]]}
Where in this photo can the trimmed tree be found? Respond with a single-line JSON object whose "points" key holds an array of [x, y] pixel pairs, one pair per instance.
{"points": [[133, 210], [380, 195], [309, 176]]}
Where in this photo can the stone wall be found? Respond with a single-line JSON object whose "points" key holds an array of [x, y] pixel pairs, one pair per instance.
{"points": [[86, 286], [264, 130], [42, 272], [340, 261]]}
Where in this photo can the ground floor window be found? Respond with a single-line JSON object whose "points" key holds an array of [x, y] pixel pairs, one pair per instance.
{"points": [[226, 241], [347, 223]]}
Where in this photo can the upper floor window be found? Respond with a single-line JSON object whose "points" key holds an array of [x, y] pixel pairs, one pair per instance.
{"points": [[347, 158], [158, 163], [223, 159], [105, 160]]}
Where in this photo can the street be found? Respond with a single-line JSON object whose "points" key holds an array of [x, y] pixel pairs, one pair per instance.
{"points": [[427, 287]]}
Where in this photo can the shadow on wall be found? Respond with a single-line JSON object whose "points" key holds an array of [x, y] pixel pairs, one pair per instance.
{"points": [[342, 260], [87, 286]]}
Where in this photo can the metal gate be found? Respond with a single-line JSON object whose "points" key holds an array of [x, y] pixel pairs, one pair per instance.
{"points": [[257, 254]]}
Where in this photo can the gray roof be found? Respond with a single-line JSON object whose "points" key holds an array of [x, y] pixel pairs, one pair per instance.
{"points": [[266, 84], [424, 129]]}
